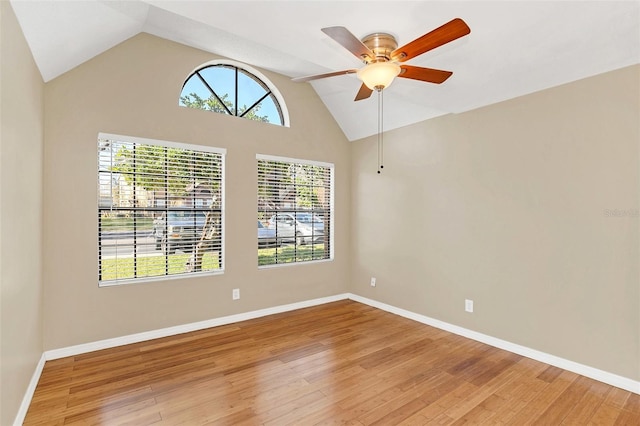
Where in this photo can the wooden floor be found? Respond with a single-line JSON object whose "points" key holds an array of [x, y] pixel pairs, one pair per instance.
{"points": [[340, 363]]}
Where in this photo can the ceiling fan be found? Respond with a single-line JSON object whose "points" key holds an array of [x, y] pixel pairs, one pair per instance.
{"points": [[380, 53]]}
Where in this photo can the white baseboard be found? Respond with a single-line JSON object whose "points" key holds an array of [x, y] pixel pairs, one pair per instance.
{"points": [[584, 370], [594, 373], [185, 328], [28, 395]]}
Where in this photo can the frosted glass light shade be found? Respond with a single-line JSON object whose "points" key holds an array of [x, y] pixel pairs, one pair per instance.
{"points": [[378, 74]]}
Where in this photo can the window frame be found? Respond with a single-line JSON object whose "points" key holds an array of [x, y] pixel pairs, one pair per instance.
{"points": [[258, 76], [331, 210], [165, 144]]}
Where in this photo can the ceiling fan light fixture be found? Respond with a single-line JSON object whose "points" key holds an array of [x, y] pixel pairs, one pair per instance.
{"points": [[378, 75]]}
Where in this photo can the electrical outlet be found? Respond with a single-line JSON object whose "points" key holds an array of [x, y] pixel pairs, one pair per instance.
{"points": [[235, 294], [468, 305], [373, 281]]}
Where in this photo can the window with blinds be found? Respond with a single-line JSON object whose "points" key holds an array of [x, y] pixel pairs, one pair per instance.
{"points": [[160, 209], [295, 211]]}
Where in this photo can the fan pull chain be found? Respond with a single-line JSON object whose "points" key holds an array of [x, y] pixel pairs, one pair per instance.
{"points": [[380, 130]]}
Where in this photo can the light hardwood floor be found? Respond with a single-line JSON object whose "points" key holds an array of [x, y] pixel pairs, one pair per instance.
{"points": [[339, 363]]}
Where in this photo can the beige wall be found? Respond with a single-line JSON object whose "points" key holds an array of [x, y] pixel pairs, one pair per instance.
{"points": [[507, 205], [133, 89], [21, 138]]}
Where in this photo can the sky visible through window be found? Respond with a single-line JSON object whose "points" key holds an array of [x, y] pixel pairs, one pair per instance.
{"points": [[222, 81]]}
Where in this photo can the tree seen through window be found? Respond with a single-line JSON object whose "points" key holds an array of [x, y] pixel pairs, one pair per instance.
{"points": [[228, 89]]}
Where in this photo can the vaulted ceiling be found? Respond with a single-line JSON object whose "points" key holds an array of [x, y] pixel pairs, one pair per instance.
{"points": [[514, 48]]}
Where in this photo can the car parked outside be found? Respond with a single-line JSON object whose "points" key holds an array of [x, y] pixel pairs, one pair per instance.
{"points": [[266, 236], [181, 231], [301, 227]]}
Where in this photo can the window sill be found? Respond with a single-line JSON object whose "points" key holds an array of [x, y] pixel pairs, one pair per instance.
{"points": [[116, 283], [307, 262]]}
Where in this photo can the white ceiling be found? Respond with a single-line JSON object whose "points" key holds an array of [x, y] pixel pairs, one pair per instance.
{"points": [[514, 48]]}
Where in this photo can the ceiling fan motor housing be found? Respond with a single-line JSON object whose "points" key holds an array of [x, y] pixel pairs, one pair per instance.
{"points": [[382, 45]]}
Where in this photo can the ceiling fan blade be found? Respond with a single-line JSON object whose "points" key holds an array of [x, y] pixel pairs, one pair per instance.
{"points": [[429, 75], [349, 42], [363, 93], [319, 76], [450, 31]]}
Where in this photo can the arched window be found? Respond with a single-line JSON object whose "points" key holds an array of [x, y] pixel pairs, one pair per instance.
{"points": [[228, 88]]}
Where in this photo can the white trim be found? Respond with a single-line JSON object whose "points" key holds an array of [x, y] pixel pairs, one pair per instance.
{"points": [[158, 278], [168, 144], [263, 78], [288, 264], [584, 370], [185, 328], [223, 212], [332, 216], [266, 157], [28, 394]]}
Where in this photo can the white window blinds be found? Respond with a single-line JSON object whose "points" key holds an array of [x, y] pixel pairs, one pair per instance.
{"points": [[160, 209], [295, 210]]}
